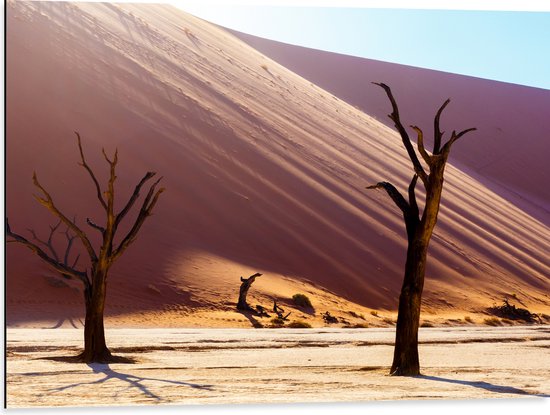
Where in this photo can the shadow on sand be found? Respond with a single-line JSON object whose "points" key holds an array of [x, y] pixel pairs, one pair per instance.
{"points": [[71, 322], [485, 385], [133, 381], [250, 316]]}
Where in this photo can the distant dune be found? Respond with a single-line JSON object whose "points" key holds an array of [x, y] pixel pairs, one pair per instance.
{"points": [[510, 151], [264, 171]]}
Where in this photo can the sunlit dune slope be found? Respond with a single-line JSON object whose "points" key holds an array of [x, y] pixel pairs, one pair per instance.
{"points": [[263, 170], [509, 153]]}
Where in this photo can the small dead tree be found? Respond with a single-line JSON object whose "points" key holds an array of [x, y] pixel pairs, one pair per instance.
{"points": [[94, 278], [329, 318], [243, 291], [280, 311], [419, 231]]}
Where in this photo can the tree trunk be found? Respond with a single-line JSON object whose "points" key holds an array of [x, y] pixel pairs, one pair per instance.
{"points": [[243, 291], [95, 348], [419, 231], [405, 358]]}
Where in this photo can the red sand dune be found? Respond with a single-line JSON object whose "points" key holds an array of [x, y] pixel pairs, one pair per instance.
{"points": [[263, 171]]}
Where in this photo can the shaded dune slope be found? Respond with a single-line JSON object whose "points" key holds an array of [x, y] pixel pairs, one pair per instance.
{"points": [[264, 171]]}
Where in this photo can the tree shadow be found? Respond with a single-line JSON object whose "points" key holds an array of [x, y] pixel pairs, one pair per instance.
{"points": [[70, 320], [307, 310], [132, 381], [78, 359], [250, 316], [484, 385]]}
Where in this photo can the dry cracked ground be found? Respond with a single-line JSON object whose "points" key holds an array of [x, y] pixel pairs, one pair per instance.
{"points": [[220, 366]]}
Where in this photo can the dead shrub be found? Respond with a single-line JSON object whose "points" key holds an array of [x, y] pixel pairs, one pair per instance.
{"points": [[511, 312], [356, 326], [299, 324], [302, 300]]}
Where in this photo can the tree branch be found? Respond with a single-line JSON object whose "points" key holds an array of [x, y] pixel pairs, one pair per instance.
{"points": [[409, 209], [70, 239], [90, 172], [133, 198], [75, 261], [398, 199], [394, 116], [412, 197], [252, 276], [58, 266], [437, 132], [454, 137], [48, 244], [146, 208], [95, 226], [111, 183], [49, 204], [421, 148]]}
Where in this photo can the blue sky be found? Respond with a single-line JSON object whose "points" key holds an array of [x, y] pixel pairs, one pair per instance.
{"points": [[509, 46]]}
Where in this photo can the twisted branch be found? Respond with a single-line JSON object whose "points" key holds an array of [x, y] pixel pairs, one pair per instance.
{"points": [[409, 209], [454, 137], [412, 197], [47, 202], [48, 244], [437, 132], [397, 198], [394, 116], [133, 198], [421, 149], [55, 264], [111, 184], [90, 172], [95, 226], [148, 204]]}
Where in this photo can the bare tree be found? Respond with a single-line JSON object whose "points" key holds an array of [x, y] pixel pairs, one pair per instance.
{"points": [[243, 291], [94, 278], [419, 231]]}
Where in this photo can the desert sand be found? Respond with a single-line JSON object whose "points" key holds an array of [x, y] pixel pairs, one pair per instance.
{"points": [[264, 172], [221, 366]]}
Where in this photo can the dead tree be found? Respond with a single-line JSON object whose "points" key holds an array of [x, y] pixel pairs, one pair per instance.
{"points": [[94, 278], [243, 291], [419, 231], [329, 318], [280, 311], [510, 311]]}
